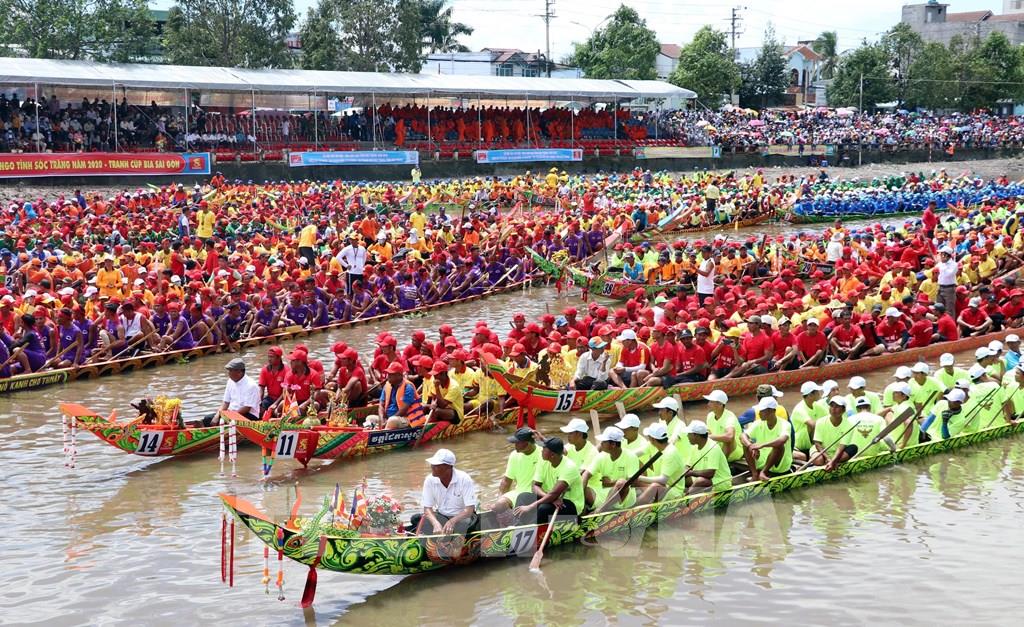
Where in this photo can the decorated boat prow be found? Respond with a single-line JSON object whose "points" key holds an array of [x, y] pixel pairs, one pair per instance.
{"points": [[138, 437]]}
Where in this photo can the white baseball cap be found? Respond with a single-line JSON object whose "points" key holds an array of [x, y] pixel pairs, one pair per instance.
{"points": [[627, 334], [814, 321], [697, 427], [828, 386], [898, 386], [982, 353], [903, 373], [974, 302], [809, 387], [442, 457], [629, 421], [963, 384], [658, 431], [892, 312], [575, 425], [717, 396], [89, 291], [863, 401], [947, 359], [995, 346], [857, 383], [1013, 337], [976, 371], [955, 395], [837, 400], [667, 403], [611, 434], [921, 367], [767, 403]]}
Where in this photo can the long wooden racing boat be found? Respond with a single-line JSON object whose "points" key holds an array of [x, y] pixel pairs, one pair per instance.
{"points": [[671, 223], [303, 443], [34, 380], [321, 545], [143, 439], [601, 284], [542, 400]]}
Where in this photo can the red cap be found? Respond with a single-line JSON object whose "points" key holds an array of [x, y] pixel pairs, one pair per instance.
{"points": [[395, 368], [275, 350], [518, 349]]}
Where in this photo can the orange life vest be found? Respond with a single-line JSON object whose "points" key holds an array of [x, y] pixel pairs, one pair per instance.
{"points": [[415, 415]]}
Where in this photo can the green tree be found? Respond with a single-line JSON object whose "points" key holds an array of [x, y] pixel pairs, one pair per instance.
{"points": [[230, 33], [870, 61], [625, 48], [439, 32], [321, 44], [707, 67], [409, 37], [827, 47], [932, 84], [902, 45], [101, 30], [763, 81]]}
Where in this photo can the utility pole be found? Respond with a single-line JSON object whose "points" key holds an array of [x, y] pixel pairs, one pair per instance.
{"points": [[547, 16], [860, 142], [734, 21]]}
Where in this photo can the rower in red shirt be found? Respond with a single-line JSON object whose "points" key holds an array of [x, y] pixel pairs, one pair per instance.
{"points": [[415, 347], [892, 330], [725, 359], [784, 343], [351, 379], [1013, 310], [756, 348], [811, 344], [272, 378], [302, 382], [663, 359], [691, 362], [846, 340], [634, 360], [921, 329], [945, 327], [973, 320]]}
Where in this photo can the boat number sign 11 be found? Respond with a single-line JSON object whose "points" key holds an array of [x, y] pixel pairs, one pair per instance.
{"points": [[286, 444]]}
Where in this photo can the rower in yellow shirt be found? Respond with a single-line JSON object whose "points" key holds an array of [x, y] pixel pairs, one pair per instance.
{"points": [[205, 221]]}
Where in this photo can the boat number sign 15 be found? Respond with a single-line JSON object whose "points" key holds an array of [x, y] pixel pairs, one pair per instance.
{"points": [[565, 401]]}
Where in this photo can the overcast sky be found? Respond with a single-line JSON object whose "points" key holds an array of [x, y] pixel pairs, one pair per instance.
{"points": [[512, 23]]}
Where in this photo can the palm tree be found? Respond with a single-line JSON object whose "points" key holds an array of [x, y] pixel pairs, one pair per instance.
{"points": [[827, 45], [439, 32]]}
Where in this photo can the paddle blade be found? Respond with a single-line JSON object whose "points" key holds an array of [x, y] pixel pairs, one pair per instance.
{"points": [[538, 556], [595, 423], [620, 408]]}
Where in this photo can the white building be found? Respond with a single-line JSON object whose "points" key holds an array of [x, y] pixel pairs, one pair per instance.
{"points": [[667, 60], [802, 66], [495, 62]]}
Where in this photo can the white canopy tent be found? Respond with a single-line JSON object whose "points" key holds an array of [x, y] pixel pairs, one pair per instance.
{"points": [[132, 76]]}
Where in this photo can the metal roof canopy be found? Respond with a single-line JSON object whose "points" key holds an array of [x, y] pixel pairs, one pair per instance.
{"points": [[91, 74]]}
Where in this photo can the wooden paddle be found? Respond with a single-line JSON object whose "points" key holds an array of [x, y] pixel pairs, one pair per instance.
{"points": [[55, 358], [620, 408], [689, 468], [822, 452], [539, 553], [595, 423]]}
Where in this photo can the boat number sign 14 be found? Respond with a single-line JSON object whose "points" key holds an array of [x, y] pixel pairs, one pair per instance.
{"points": [[149, 442]]}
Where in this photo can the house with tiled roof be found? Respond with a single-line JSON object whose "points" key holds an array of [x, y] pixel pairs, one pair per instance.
{"points": [[936, 23], [667, 60]]}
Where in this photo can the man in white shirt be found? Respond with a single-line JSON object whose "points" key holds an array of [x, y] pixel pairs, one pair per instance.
{"points": [[353, 259], [948, 270], [706, 274], [449, 499], [241, 394], [834, 250], [592, 369]]}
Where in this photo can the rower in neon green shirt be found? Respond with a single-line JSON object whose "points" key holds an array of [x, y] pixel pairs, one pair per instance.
{"points": [[708, 465], [662, 480], [723, 426], [910, 433], [519, 470], [924, 389], [868, 425], [805, 414], [832, 432], [766, 443], [578, 447], [948, 374], [612, 467], [857, 390]]}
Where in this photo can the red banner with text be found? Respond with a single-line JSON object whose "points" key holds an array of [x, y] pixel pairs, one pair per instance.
{"points": [[17, 165]]}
